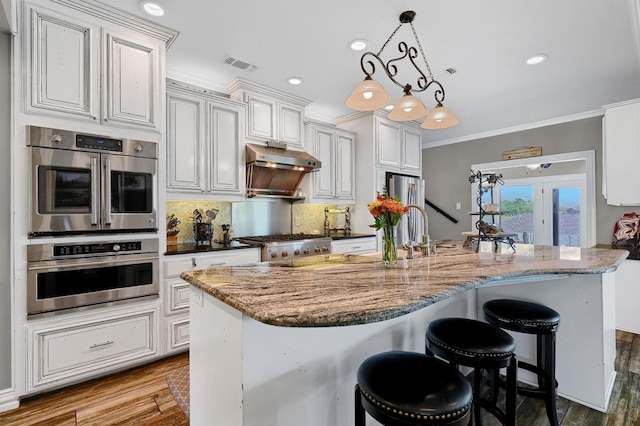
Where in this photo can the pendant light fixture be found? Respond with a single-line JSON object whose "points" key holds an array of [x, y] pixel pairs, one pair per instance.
{"points": [[369, 95]]}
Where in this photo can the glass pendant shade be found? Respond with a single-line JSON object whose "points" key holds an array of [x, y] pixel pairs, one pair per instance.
{"points": [[369, 95], [407, 108], [440, 117]]}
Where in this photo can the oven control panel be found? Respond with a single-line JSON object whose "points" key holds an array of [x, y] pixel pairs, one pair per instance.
{"points": [[46, 252], [101, 248]]}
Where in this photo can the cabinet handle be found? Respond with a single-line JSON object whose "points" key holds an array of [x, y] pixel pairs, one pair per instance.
{"points": [[193, 262], [98, 345], [214, 265], [355, 247]]}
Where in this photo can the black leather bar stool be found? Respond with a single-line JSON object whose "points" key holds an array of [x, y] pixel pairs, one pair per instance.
{"points": [[481, 346], [407, 388], [532, 318]]}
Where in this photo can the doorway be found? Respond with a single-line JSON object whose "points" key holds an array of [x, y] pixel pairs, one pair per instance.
{"points": [[547, 200]]}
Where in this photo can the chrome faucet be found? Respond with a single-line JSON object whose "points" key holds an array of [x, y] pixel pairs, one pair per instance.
{"points": [[425, 245]]}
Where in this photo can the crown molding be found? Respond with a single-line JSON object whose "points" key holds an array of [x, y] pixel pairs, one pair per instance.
{"points": [[529, 126]]}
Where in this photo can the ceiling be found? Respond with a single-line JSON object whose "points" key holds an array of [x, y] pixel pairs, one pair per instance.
{"points": [[593, 48]]}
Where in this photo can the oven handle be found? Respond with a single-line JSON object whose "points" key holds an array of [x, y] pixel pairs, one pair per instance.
{"points": [[95, 189], [107, 191], [70, 264]]}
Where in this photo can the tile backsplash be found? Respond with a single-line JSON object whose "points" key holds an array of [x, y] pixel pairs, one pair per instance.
{"points": [[183, 210], [306, 218]]}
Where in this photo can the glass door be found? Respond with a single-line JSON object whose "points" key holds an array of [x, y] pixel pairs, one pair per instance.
{"points": [[544, 211], [64, 191]]}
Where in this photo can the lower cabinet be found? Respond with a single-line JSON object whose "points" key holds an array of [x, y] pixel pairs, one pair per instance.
{"points": [[176, 291], [66, 351], [362, 245], [627, 296]]}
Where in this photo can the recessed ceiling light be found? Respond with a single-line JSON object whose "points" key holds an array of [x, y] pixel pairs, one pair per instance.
{"points": [[358, 44], [537, 59], [295, 80], [152, 7]]}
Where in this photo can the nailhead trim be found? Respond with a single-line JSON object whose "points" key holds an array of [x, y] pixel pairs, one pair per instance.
{"points": [[428, 418], [532, 324], [458, 351]]}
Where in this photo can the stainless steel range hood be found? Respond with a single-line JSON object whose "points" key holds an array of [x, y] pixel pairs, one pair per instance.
{"points": [[276, 172]]}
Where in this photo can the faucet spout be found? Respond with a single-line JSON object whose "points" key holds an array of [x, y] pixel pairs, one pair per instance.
{"points": [[426, 243]]}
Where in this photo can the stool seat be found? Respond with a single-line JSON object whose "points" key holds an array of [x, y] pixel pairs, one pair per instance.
{"points": [[406, 388], [462, 340], [521, 316]]}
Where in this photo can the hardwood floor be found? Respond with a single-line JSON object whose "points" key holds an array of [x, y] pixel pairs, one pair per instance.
{"points": [[141, 397]]}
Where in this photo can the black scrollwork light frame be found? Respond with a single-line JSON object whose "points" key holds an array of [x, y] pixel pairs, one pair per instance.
{"points": [[423, 81]]}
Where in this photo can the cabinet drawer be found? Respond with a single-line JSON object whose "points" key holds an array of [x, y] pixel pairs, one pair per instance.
{"points": [[177, 333], [71, 352], [354, 246], [173, 268], [178, 296]]}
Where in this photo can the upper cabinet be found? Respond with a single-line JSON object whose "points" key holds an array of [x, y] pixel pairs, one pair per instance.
{"points": [[621, 153], [335, 148], [271, 114], [87, 62], [398, 146], [203, 141]]}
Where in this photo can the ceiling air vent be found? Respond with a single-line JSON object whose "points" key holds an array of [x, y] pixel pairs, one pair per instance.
{"points": [[239, 64]]}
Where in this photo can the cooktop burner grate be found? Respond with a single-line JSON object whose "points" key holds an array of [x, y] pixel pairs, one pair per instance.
{"points": [[280, 237]]}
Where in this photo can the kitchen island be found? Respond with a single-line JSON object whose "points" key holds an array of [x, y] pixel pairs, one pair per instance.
{"points": [[280, 343]]}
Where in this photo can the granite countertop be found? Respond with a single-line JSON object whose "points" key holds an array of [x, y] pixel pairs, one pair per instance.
{"points": [[634, 252], [339, 289], [190, 248]]}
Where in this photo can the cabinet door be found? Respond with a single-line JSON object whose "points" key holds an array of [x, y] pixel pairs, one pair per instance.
{"points": [[389, 144], [412, 152], [291, 124], [78, 350], [345, 165], [130, 85], [184, 142], [261, 118], [223, 128], [324, 178], [622, 155], [61, 66]]}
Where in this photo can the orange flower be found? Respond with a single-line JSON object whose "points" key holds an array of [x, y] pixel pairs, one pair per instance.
{"points": [[386, 211]]}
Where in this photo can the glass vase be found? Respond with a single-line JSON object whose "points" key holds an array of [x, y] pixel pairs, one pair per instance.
{"points": [[389, 250]]}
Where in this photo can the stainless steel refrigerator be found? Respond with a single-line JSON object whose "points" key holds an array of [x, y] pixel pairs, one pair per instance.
{"points": [[410, 190]]}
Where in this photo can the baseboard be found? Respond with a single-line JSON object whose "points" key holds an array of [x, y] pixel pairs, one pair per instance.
{"points": [[8, 400]]}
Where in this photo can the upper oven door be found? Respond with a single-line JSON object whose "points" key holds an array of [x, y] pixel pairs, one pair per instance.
{"points": [[129, 196], [65, 188]]}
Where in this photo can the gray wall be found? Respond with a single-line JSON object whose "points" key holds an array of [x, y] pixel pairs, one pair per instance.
{"points": [[5, 211], [446, 170]]}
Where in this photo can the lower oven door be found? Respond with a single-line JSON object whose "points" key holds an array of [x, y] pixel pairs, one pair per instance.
{"points": [[58, 285]]}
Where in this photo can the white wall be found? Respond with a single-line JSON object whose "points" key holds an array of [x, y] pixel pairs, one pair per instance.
{"points": [[5, 211]]}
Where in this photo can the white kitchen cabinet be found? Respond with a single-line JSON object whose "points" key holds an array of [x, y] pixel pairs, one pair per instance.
{"points": [[335, 148], [627, 296], [398, 146], [203, 141], [621, 153], [176, 291], [361, 245], [86, 62], [64, 351], [271, 114], [383, 146]]}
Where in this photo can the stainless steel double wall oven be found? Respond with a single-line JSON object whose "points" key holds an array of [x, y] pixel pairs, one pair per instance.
{"points": [[90, 185]]}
